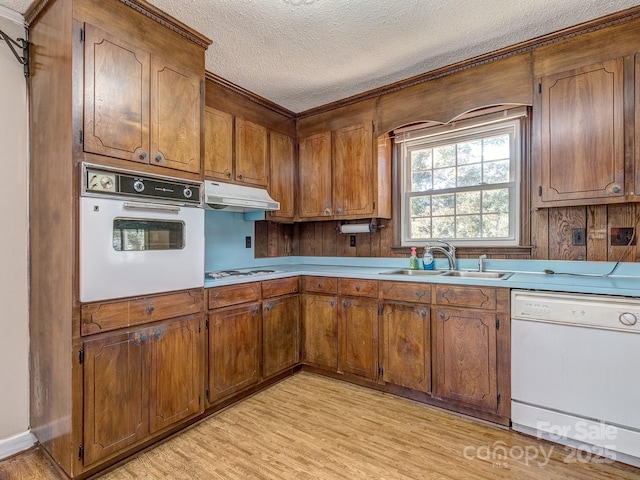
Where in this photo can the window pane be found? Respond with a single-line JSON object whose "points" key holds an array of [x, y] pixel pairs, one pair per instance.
{"points": [[420, 227], [496, 172], [469, 175], [495, 225], [468, 202], [443, 204], [421, 160], [469, 152], [444, 156], [495, 201], [420, 206], [496, 148], [444, 178], [421, 181], [468, 226], [443, 227]]}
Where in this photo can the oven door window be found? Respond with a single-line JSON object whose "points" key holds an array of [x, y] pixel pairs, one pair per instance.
{"points": [[137, 234]]}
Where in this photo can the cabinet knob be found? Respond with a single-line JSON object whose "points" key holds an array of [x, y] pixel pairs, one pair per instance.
{"points": [[423, 313], [345, 304], [441, 315], [268, 307], [338, 211], [150, 309], [240, 176], [143, 337], [228, 174], [320, 285], [327, 211], [158, 157], [143, 155], [332, 303], [615, 189], [157, 334], [357, 288]]}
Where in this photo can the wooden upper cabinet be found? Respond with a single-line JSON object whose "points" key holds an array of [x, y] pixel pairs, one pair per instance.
{"points": [[116, 102], [339, 178], [314, 177], [138, 105], [252, 162], [282, 181], [218, 144], [353, 172], [582, 159]]}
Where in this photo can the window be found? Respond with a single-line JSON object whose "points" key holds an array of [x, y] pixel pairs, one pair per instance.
{"points": [[461, 183]]}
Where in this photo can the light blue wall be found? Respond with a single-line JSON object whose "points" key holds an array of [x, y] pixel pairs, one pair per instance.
{"points": [[225, 234]]}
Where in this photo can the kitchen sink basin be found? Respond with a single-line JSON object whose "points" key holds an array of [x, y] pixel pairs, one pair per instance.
{"points": [[474, 274], [416, 273]]}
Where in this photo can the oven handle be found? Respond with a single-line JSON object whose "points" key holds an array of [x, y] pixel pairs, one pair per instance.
{"points": [[151, 206]]}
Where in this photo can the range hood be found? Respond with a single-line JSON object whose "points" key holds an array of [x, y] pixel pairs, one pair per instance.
{"points": [[237, 198]]}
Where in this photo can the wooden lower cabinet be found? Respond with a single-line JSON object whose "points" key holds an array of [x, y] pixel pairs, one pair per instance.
{"points": [[280, 334], [320, 331], [466, 357], [139, 382], [234, 350], [406, 345], [358, 333]]}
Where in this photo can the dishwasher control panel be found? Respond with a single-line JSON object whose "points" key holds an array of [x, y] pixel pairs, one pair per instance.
{"points": [[595, 311]]}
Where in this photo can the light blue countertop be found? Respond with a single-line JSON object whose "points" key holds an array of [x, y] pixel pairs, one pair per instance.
{"points": [[571, 276]]}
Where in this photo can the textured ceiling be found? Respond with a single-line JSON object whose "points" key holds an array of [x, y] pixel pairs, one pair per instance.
{"points": [[302, 54]]}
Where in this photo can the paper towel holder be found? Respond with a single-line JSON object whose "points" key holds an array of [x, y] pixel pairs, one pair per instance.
{"points": [[350, 228]]}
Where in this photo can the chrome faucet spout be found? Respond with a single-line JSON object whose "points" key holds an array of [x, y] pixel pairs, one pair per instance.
{"points": [[481, 260], [448, 250]]}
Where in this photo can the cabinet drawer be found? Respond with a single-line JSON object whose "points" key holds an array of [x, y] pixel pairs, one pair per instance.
{"points": [[467, 296], [406, 292], [233, 294], [280, 286], [105, 316], [321, 284], [357, 287]]}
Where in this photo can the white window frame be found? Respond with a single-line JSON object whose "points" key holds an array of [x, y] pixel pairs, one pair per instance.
{"points": [[431, 136]]}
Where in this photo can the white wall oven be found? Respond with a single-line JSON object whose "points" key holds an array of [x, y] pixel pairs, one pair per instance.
{"points": [[139, 234]]}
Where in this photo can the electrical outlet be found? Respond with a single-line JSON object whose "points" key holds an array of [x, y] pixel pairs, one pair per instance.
{"points": [[352, 241], [247, 242], [578, 237], [622, 236]]}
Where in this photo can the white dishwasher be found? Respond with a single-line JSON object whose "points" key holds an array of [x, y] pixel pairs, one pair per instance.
{"points": [[575, 371]]}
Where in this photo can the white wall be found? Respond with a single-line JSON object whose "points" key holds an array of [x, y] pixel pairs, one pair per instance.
{"points": [[14, 319]]}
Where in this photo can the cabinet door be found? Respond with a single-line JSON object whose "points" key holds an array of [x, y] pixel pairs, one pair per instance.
{"points": [[358, 327], [406, 349], [116, 393], [116, 97], [234, 350], [175, 116], [353, 172], [176, 371], [320, 331], [252, 164], [280, 334], [282, 175], [314, 176], [582, 134], [218, 144], [466, 366]]}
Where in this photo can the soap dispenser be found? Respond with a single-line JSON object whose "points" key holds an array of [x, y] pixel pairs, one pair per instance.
{"points": [[413, 259]]}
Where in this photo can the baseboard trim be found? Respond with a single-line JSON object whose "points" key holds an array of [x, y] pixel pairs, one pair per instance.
{"points": [[17, 443]]}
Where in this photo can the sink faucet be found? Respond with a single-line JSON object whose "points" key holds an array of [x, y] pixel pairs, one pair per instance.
{"points": [[449, 252], [481, 260]]}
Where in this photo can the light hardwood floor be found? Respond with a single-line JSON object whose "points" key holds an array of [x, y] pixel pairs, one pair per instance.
{"points": [[311, 427]]}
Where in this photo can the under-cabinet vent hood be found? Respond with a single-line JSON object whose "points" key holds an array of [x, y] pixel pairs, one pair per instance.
{"points": [[237, 198]]}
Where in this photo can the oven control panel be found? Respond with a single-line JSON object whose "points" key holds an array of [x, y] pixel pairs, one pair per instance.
{"points": [[100, 181]]}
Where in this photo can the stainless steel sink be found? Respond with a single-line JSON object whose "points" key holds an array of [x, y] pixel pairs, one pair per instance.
{"points": [[416, 273], [473, 274]]}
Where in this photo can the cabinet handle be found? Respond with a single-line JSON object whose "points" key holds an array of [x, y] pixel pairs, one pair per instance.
{"points": [[357, 288], [143, 337], [418, 293], [150, 309], [441, 315], [157, 334], [338, 211], [615, 189], [240, 176], [255, 311], [268, 307], [158, 157], [423, 313], [319, 285], [332, 303], [327, 211], [228, 174], [143, 155], [345, 304]]}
